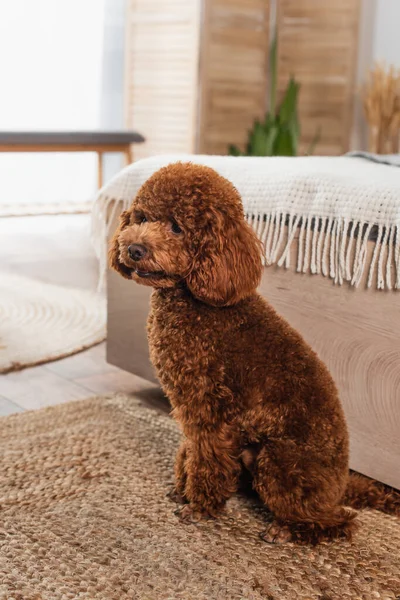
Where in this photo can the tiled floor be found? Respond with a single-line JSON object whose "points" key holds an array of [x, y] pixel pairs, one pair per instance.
{"points": [[57, 249]]}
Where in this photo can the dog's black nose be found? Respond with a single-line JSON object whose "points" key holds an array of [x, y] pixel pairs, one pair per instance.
{"points": [[137, 251]]}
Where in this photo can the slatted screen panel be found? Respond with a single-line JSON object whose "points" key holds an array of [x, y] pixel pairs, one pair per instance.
{"points": [[161, 71], [233, 71], [318, 44]]}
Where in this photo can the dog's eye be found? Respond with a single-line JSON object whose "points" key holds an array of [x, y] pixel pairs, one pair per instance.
{"points": [[139, 217], [175, 228]]}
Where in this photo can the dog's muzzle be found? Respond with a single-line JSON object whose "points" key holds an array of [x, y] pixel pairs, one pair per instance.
{"points": [[137, 252]]}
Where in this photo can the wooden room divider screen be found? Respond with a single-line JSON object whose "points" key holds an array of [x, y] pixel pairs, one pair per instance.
{"points": [[197, 70], [318, 44]]}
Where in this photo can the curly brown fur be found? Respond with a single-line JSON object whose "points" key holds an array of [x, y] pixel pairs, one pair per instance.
{"points": [[249, 393], [363, 492]]}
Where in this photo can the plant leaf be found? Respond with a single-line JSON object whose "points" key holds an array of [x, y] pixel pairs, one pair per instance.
{"points": [[273, 68], [271, 139], [234, 150], [314, 142], [288, 115], [268, 120], [285, 144], [258, 140], [288, 108], [294, 128]]}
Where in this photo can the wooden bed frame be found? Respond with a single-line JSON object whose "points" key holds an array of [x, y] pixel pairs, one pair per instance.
{"points": [[355, 331]]}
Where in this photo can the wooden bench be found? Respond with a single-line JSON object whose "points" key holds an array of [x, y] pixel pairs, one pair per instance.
{"points": [[72, 141]]}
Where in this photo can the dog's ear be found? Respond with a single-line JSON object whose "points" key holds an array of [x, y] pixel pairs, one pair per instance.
{"points": [[113, 251], [228, 267]]}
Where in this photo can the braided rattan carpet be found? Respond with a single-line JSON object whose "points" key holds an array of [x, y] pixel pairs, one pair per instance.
{"points": [[83, 514]]}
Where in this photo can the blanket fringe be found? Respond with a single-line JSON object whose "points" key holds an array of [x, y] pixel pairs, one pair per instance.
{"points": [[104, 212], [337, 248]]}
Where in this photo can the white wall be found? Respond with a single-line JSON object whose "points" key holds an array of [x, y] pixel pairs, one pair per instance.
{"points": [[379, 40], [50, 78], [112, 81], [386, 33]]}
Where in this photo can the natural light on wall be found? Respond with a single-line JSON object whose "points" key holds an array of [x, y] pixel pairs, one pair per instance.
{"points": [[50, 69]]}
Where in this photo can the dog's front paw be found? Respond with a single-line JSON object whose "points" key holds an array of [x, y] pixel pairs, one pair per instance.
{"points": [[276, 534], [175, 496], [188, 514]]}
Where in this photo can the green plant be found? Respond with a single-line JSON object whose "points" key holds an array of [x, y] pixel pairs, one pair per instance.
{"points": [[278, 134]]}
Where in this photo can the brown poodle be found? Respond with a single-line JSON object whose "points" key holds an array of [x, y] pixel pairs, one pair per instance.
{"points": [[249, 393]]}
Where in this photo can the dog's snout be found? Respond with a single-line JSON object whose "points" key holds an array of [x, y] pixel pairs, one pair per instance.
{"points": [[137, 251]]}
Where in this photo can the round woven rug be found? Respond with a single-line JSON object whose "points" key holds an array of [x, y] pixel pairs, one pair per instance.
{"points": [[40, 322], [49, 208], [84, 515]]}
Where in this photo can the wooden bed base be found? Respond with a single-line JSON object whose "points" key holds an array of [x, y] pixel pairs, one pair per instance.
{"points": [[355, 331]]}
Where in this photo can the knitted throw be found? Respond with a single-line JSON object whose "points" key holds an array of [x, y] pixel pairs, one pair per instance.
{"points": [[334, 205]]}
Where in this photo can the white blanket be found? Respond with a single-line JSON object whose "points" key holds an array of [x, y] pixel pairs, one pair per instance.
{"points": [[334, 202]]}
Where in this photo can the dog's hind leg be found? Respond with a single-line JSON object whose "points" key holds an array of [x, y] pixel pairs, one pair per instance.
{"points": [[304, 495]]}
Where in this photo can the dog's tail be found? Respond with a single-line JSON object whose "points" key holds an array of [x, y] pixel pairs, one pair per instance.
{"points": [[362, 492]]}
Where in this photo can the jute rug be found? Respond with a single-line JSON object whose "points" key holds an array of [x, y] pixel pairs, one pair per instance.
{"points": [[84, 515], [40, 322]]}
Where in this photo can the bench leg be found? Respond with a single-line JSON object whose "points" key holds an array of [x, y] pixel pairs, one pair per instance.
{"points": [[100, 170], [128, 156]]}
